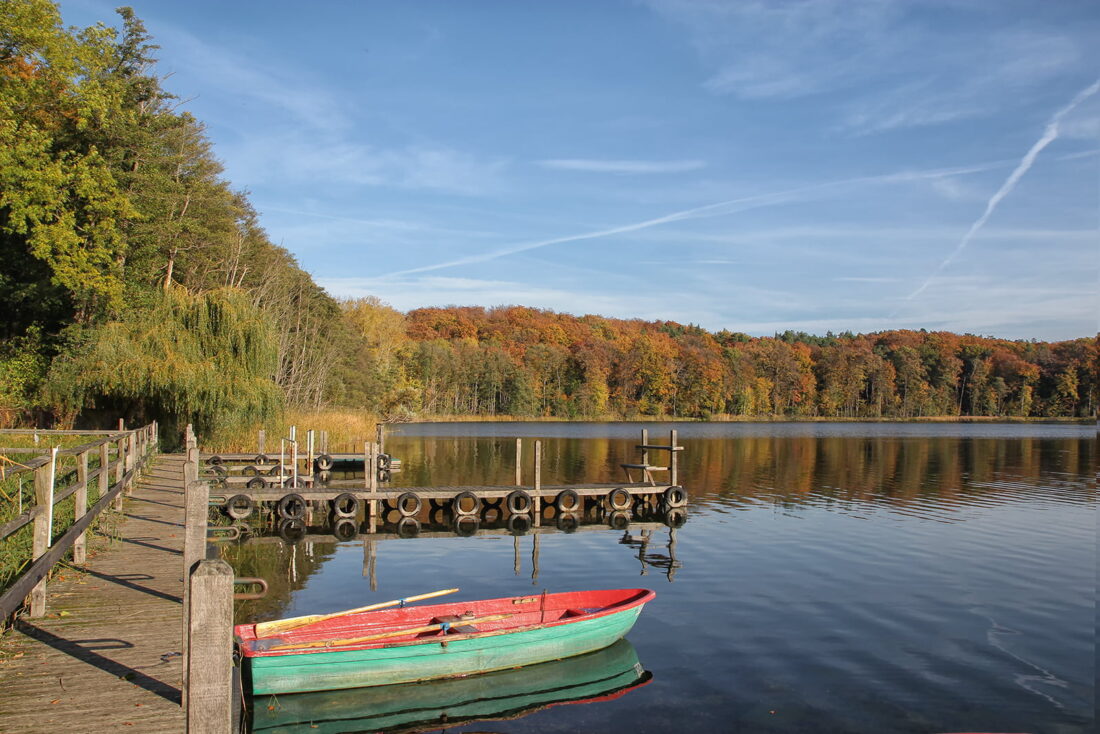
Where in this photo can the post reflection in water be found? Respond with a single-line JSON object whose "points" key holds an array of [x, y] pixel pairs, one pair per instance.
{"points": [[510, 694]]}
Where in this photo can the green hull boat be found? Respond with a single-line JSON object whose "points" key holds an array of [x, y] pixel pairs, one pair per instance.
{"points": [[440, 641]]}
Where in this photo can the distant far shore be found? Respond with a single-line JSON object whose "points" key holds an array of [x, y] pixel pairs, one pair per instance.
{"points": [[749, 419]]}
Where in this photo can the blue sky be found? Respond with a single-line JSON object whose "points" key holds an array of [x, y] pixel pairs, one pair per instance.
{"points": [[756, 166]]}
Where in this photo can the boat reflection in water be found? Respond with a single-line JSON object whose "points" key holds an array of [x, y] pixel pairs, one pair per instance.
{"points": [[508, 694]]}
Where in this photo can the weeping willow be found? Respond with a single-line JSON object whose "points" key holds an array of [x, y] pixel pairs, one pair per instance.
{"points": [[207, 358]]}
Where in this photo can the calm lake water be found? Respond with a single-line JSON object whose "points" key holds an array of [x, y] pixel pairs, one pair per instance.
{"points": [[828, 578]]}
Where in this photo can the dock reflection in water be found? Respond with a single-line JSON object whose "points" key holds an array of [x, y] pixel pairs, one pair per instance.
{"points": [[650, 533], [510, 694]]}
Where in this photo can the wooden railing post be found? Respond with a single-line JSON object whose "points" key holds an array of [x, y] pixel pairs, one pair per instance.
{"points": [[43, 498], [104, 473], [120, 469], [208, 672], [79, 549], [131, 461], [672, 458]]}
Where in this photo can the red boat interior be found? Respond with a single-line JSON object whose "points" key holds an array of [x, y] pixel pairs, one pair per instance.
{"points": [[437, 622]]}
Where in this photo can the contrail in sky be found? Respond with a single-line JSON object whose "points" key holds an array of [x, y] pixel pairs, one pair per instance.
{"points": [[710, 210], [1050, 133]]}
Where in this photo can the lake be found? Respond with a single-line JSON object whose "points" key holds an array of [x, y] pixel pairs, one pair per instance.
{"points": [[829, 577]]}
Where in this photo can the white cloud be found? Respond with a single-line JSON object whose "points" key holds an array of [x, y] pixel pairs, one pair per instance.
{"points": [[334, 161], [630, 167], [885, 64]]}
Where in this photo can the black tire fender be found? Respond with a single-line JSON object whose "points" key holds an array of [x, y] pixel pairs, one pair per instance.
{"points": [[292, 507], [346, 505], [519, 502], [239, 506]]}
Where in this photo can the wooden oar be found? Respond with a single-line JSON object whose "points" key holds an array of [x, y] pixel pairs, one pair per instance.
{"points": [[266, 629], [383, 635]]}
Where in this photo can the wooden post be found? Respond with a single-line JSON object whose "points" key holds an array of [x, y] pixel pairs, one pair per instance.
{"points": [[43, 498], [369, 563], [324, 442], [121, 424], [104, 474], [672, 458], [120, 468], [209, 671], [515, 555], [645, 452], [372, 467], [261, 440], [536, 503], [196, 495], [81, 508], [519, 462], [131, 461], [310, 469], [380, 438], [370, 481]]}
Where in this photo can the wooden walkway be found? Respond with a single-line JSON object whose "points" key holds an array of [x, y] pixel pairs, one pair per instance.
{"points": [[106, 657]]}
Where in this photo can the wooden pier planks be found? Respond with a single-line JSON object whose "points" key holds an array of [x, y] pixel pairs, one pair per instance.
{"points": [[105, 658]]}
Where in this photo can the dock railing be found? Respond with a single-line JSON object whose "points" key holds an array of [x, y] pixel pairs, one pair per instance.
{"points": [[110, 479]]}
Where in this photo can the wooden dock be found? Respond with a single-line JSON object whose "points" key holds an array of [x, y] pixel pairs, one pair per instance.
{"points": [[106, 656]]}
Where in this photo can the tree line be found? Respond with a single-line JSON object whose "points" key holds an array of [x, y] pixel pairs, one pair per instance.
{"points": [[529, 362], [136, 281]]}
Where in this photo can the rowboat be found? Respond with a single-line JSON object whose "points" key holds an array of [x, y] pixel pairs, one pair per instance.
{"points": [[604, 675], [416, 643]]}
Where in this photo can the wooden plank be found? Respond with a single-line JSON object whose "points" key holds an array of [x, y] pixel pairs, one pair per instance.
{"points": [[209, 691], [55, 679]]}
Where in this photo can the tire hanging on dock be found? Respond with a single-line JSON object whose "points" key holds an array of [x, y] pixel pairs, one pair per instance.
{"points": [[405, 498], [292, 507], [567, 501], [324, 462], [674, 497], [346, 505], [619, 499], [239, 506], [459, 510], [519, 502]]}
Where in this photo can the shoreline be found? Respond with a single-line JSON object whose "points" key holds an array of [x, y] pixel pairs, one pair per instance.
{"points": [[750, 419]]}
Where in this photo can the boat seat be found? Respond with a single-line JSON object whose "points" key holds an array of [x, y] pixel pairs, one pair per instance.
{"points": [[456, 628]]}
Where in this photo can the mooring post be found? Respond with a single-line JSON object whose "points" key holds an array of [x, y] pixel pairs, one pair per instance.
{"points": [[519, 462], [43, 498], [208, 689], [121, 424], [310, 469], [324, 442], [81, 506], [372, 467], [196, 495], [672, 458], [370, 483], [645, 451], [380, 437], [536, 500]]}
